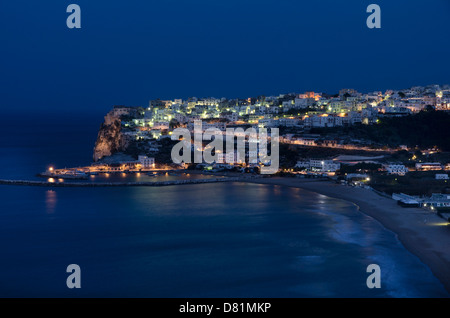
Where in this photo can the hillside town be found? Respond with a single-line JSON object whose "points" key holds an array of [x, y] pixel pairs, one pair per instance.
{"points": [[295, 113], [320, 135], [395, 143], [298, 117]]}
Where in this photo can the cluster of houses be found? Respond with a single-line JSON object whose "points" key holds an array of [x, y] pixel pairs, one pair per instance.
{"points": [[302, 111]]}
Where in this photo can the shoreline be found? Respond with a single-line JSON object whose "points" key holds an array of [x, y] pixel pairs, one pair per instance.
{"points": [[420, 232]]}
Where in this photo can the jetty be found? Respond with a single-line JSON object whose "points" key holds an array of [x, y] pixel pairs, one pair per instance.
{"points": [[119, 184]]}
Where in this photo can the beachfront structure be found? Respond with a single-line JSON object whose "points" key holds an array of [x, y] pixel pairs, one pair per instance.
{"points": [[146, 162], [406, 200], [437, 201]]}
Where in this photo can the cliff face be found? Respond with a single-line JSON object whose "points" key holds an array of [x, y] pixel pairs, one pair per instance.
{"points": [[110, 139]]}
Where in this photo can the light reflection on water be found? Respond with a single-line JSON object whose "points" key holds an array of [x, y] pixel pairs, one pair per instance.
{"points": [[220, 240], [50, 201]]}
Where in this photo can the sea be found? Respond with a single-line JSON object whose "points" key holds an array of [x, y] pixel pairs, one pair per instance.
{"points": [[198, 240]]}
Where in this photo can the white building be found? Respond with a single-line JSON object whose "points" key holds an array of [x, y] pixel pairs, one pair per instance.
{"points": [[231, 116], [330, 166], [302, 164], [305, 141], [441, 176], [180, 118], [162, 125], [229, 157], [324, 165], [289, 122], [396, 169], [205, 125], [120, 111], [267, 122], [326, 120], [146, 162], [303, 102]]}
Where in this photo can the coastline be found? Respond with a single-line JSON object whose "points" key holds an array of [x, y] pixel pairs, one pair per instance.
{"points": [[418, 230]]}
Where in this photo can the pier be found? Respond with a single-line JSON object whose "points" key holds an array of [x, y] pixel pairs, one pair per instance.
{"points": [[118, 184]]}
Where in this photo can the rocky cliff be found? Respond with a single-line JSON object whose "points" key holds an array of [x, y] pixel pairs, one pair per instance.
{"points": [[110, 139]]}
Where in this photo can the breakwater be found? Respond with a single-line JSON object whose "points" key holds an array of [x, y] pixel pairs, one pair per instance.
{"points": [[119, 184]]}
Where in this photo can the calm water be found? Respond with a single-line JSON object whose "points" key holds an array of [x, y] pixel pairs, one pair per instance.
{"points": [[206, 240]]}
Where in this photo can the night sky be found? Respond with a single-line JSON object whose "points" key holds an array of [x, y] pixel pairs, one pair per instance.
{"points": [[128, 52]]}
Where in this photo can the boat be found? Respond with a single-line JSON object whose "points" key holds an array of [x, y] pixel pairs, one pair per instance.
{"points": [[68, 175]]}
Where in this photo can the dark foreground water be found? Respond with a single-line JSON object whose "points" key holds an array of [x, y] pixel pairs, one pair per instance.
{"points": [[206, 240]]}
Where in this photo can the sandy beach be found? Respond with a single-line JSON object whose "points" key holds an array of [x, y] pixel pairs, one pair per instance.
{"points": [[422, 232]]}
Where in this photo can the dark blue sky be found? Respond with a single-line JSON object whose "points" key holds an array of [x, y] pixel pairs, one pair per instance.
{"points": [[128, 52]]}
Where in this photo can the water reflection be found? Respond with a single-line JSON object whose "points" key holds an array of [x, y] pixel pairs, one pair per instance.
{"points": [[50, 201]]}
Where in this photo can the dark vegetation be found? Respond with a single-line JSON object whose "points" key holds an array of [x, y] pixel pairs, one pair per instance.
{"points": [[359, 168], [325, 152], [426, 129], [413, 183]]}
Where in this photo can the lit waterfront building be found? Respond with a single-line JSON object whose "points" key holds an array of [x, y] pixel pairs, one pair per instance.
{"points": [[146, 162]]}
